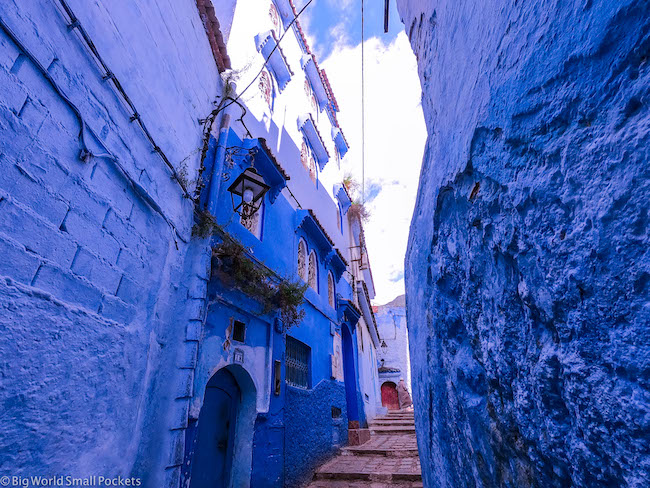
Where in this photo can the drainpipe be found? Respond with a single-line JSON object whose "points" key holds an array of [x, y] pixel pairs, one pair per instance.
{"points": [[219, 160]]}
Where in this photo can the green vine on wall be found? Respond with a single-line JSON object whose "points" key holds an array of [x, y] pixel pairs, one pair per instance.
{"points": [[258, 281]]}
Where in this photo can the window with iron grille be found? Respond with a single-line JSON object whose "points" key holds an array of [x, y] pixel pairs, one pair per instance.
{"points": [[298, 357]]}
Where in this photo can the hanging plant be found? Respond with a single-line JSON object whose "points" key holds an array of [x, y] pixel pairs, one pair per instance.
{"points": [[260, 283], [204, 224], [359, 211]]}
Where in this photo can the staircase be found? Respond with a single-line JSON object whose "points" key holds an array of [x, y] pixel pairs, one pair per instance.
{"points": [[389, 459]]}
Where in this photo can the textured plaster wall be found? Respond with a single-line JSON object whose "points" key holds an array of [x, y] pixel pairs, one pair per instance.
{"points": [[309, 425], [527, 269], [100, 311], [391, 322]]}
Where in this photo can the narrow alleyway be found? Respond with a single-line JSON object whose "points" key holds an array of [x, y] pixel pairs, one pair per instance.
{"points": [[389, 459]]}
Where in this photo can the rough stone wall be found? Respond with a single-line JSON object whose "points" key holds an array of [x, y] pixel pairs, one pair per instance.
{"points": [[527, 271], [100, 299]]}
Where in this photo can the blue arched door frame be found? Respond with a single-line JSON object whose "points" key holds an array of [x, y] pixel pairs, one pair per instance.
{"points": [[210, 439]]}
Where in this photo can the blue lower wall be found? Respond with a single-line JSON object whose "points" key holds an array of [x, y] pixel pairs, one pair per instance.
{"points": [[311, 434], [268, 452]]}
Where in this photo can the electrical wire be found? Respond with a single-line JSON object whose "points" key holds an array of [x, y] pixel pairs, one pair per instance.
{"points": [[85, 153], [108, 75], [277, 45]]}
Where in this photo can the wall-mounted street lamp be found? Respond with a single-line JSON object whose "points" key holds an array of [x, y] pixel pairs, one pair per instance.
{"points": [[247, 192], [384, 346]]}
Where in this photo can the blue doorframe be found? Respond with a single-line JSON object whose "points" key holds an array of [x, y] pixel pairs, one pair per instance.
{"points": [[210, 440], [349, 374]]}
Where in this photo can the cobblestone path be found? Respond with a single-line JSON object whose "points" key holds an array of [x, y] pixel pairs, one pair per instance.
{"points": [[388, 459]]}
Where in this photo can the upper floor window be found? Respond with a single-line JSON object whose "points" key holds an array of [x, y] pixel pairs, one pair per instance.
{"points": [[302, 260], [339, 217], [275, 18], [312, 276], [330, 290], [314, 105], [266, 87], [308, 161], [253, 223]]}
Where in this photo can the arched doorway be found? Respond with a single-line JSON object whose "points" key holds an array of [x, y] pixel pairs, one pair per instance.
{"points": [[389, 398], [349, 375], [211, 463]]}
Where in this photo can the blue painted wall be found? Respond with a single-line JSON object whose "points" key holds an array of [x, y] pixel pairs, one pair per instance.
{"points": [[527, 267], [284, 451], [308, 447], [97, 291], [109, 325]]}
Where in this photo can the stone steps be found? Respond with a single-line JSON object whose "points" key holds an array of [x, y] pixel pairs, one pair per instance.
{"points": [[388, 459], [364, 484], [369, 468], [385, 421], [368, 451], [389, 430]]}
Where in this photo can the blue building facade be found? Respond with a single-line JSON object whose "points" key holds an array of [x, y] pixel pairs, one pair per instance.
{"points": [[125, 341], [294, 410]]}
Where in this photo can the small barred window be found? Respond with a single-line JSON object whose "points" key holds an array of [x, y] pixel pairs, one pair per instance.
{"points": [[298, 359]]}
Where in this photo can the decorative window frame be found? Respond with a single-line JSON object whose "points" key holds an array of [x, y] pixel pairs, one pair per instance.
{"points": [[313, 75], [302, 269], [331, 290], [315, 285], [270, 97], [276, 22], [340, 142], [307, 125], [307, 158], [258, 231], [267, 45]]}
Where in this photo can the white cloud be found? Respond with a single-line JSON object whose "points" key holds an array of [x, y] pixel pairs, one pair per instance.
{"points": [[395, 135]]}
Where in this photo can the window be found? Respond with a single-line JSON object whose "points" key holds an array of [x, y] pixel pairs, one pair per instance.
{"points": [[302, 260], [277, 377], [330, 290], [275, 18], [298, 356], [239, 331], [266, 88], [308, 161], [253, 223], [314, 105], [312, 274], [339, 217]]}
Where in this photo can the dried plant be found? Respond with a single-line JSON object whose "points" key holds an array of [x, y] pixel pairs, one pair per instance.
{"points": [[260, 283]]}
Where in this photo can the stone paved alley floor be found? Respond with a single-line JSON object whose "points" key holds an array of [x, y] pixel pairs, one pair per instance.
{"points": [[389, 459]]}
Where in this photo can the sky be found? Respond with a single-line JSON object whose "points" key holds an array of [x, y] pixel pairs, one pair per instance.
{"points": [[395, 133]]}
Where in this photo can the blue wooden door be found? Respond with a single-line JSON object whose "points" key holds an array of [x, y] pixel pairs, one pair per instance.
{"points": [[212, 459]]}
